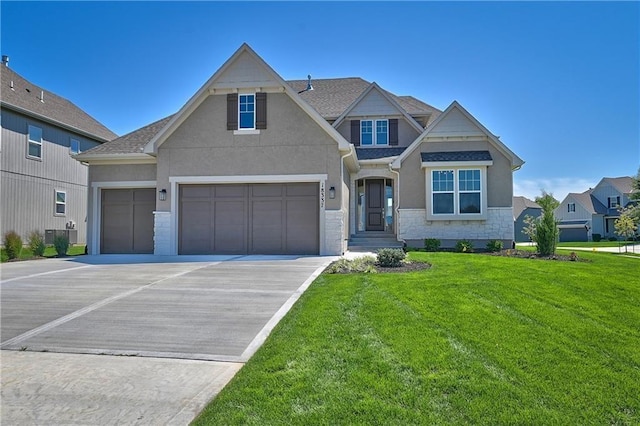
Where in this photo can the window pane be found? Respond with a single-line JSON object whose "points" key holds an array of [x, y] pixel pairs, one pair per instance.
{"points": [[470, 203], [366, 132], [442, 180], [35, 133], [246, 120], [74, 146], [60, 197], [60, 208], [469, 180], [443, 203], [382, 132], [35, 150]]}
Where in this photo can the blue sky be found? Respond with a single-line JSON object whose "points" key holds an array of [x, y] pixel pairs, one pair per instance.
{"points": [[557, 81]]}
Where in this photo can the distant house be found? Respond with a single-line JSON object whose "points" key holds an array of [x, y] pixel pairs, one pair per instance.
{"points": [[42, 186], [523, 207], [254, 164], [594, 211]]}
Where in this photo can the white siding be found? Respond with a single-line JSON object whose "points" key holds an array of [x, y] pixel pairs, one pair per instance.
{"points": [[455, 123]]}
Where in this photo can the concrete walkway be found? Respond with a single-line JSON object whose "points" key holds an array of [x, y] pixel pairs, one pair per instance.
{"points": [[135, 339]]}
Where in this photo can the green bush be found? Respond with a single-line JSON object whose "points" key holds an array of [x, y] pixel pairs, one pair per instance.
{"points": [[364, 264], [431, 244], [464, 246], [613, 239], [391, 258], [596, 238], [12, 245], [36, 243], [494, 246], [61, 245]]}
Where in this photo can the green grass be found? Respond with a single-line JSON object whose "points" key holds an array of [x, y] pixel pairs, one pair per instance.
{"points": [[474, 340], [50, 251]]}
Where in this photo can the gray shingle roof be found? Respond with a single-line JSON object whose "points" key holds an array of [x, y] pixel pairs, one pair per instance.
{"points": [[590, 202], [622, 184], [132, 142], [25, 97], [375, 153], [520, 204], [456, 156], [332, 96]]}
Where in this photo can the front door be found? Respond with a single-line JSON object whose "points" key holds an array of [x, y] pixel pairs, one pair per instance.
{"points": [[375, 204]]}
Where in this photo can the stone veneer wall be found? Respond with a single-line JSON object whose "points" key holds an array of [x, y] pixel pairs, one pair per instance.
{"points": [[413, 225], [162, 233], [334, 242]]}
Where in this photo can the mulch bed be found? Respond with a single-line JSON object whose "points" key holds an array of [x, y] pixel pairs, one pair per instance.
{"points": [[524, 254]]}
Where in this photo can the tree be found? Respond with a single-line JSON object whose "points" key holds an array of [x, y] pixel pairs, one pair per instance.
{"points": [[544, 229], [625, 225], [633, 210]]}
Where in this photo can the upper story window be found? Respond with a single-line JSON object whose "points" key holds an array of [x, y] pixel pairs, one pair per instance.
{"points": [[457, 192], [614, 202], [61, 203], [74, 146], [571, 207], [374, 132], [247, 111], [34, 142]]}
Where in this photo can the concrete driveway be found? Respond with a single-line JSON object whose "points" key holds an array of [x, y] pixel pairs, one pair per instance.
{"points": [[171, 332]]}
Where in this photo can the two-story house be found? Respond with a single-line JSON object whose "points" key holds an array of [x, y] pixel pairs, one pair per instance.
{"points": [[43, 188], [523, 207], [256, 164], [593, 212]]}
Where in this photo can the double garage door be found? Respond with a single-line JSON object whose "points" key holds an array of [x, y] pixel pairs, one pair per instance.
{"points": [[249, 219]]}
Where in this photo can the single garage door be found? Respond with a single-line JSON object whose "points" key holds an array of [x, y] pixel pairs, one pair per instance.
{"points": [[249, 219], [573, 234], [127, 220]]}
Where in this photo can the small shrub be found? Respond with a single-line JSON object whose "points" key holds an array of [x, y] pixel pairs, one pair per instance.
{"points": [[596, 238], [391, 258], [12, 245], [464, 246], [573, 256], [613, 239], [494, 246], [431, 244], [364, 264], [61, 245], [36, 243]]}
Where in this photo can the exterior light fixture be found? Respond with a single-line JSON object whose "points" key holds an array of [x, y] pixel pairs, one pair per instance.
{"points": [[162, 194], [332, 192]]}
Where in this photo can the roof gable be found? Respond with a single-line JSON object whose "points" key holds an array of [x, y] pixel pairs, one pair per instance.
{"points": [[376, 102], [624, 184], [469, 126], [520, 204], [243, 70]]}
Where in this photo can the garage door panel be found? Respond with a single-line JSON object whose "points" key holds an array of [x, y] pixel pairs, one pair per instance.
{"points": [[266, 190], [230, 226], [302, 189], [267, 227], [302, 226]]}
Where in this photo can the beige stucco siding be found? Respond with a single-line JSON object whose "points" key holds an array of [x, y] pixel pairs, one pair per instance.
{"points": [[122, 173], [412, 176], [292, 144]]}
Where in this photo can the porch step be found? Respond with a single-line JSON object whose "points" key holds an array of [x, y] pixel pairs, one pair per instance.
{"points": [[373, 242]]}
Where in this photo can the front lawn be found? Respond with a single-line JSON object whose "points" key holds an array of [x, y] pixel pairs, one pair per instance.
{"points": [[475, 339], [596, 244], [50, 251]]}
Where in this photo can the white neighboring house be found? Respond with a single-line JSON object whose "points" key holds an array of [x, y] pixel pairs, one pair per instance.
{"points": [[43, 187], [593, 212]]}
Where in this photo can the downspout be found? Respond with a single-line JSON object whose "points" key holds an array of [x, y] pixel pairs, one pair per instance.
{"points": [[397, 207]]}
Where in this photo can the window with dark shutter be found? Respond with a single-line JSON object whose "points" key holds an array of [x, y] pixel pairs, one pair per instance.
{"points": [[232, 111], [355, 132], [261, 110], [393, 131]]}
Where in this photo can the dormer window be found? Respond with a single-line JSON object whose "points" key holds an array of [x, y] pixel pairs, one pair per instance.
{"points": [[614, 202], [374, 132], [571, 207]]}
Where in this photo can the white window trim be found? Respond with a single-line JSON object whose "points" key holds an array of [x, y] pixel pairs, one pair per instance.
{"points": [[571, 207], [71, 151], [614, 204], [56, 203], [456, 194], [246, 130], [31, 141], [374, 133]]}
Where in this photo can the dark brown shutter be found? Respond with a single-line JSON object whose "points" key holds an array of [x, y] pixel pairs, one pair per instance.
{"points": [[261, 110], [355, 132], [393, 131], [232, 111]]}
